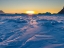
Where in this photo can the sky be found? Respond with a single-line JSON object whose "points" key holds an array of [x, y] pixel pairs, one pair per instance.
{"points": [[39, 6]]}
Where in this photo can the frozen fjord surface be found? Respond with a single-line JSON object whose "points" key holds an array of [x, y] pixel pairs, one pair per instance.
{"points": [[28, 32]]}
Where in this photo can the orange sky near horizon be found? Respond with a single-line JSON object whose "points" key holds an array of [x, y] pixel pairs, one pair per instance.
{"points": [[36, 11]]}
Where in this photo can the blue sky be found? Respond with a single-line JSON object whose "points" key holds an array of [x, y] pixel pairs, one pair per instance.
{"points": [[13, 6]]}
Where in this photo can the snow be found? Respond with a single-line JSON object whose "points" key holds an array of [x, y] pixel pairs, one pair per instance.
{"points": [[32, 32]]}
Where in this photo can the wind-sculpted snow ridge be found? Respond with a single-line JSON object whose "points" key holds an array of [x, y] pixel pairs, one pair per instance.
{"points": [[32, 32]]}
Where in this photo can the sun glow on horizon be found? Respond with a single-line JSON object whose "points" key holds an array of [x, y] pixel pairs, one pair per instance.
{"points": [[30, 12]]}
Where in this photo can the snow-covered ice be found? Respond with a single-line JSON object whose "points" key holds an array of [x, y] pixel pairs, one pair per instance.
{"points": [[32, 32]]}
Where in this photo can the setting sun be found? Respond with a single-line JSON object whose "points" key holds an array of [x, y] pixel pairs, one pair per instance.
{"points": [[30, 12]]}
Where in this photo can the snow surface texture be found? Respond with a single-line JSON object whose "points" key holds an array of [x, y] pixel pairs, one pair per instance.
{"points": [[32, 32]]}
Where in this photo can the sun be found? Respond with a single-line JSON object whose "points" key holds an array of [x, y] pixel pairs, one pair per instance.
{"points": [[30, 12]]}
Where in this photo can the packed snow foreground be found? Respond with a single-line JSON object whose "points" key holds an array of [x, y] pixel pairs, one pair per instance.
{"points": [[32, 32]]}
